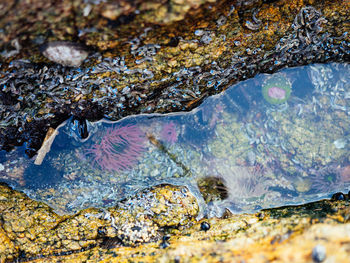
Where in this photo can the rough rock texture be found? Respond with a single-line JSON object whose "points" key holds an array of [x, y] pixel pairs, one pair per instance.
{"points": [[30, 229], [157, 56], [159, 226]]}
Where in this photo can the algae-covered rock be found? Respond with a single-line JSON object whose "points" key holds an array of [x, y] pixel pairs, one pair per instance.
{"points": [[30, 229], [132, 230]]}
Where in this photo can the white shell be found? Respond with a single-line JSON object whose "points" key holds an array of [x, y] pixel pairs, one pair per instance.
{"points": [[65, 53], [340, 143]]}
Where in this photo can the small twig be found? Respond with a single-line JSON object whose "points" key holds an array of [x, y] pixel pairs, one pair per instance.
{"points": [[172, 156]]}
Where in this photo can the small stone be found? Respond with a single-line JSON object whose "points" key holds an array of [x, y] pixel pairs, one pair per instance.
{"points": [[206, 39], [172, 63], [199, 32], [65, 53], [2, 167], [205, 226], [338, 196], [318, 253]]}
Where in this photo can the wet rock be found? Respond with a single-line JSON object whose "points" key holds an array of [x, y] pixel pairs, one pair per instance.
{"points": [[205, 226], [31, 229], [338, 196], [289, 34]]}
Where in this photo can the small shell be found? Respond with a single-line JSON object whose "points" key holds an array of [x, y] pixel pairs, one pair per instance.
{"points": [[65, 53], [340, 143]]}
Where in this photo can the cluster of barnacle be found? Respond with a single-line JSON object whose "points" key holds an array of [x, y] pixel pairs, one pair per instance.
{"points": [[35, 92], [32, 91], [255, 23], [31, 84], [190, 83], [126, 233], [308, 23], [116, 65], [146, 51], [306, 42], [137, 232]]}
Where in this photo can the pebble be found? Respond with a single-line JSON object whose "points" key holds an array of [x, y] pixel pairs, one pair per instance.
{"points": [[338, 196], [318, 253], [205, 226], [2, 167], [65, 53]]}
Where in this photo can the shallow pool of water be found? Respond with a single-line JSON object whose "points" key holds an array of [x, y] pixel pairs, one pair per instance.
{"points": [[269, 141]]}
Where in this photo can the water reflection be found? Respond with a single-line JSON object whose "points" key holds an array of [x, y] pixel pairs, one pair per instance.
{"points": [[269, 141]]}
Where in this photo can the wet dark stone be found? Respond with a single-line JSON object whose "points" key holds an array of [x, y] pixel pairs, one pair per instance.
{"points": [[166, 238], [261, 216], [121, 20], [164, 244], [338, 196], [205, 226], [82, 128], [174, 41]]}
